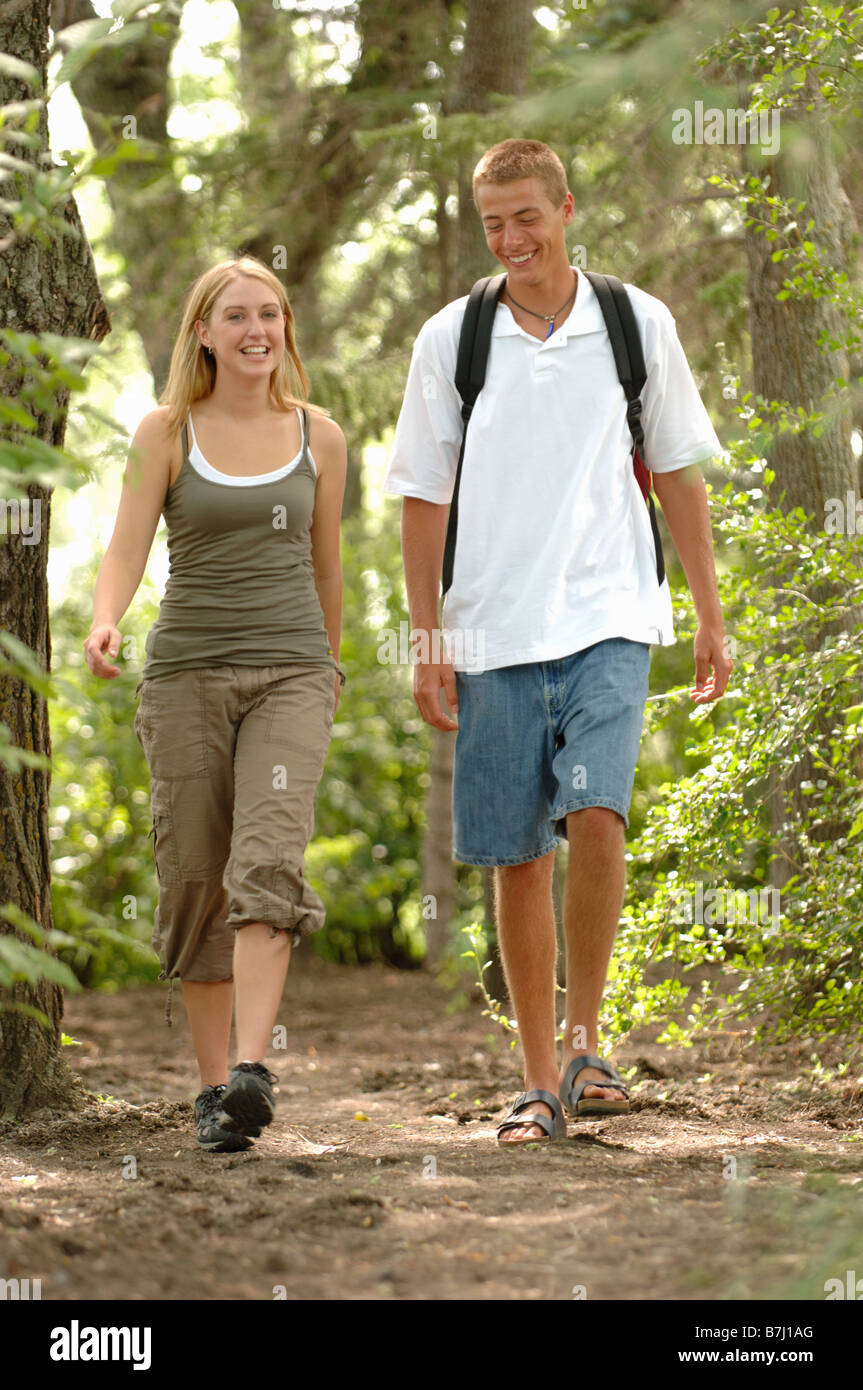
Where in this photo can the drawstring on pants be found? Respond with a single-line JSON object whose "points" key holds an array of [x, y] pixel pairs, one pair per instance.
{"points": [[170, 1002]]}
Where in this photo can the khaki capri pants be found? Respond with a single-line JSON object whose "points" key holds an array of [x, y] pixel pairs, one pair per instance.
{"points": [[235, 756]]}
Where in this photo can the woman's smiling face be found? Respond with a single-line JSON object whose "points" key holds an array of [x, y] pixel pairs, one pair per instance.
{"points": [[246, 328]]}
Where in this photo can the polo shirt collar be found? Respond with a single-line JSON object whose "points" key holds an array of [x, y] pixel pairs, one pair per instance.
{"points": [[585, 316]]}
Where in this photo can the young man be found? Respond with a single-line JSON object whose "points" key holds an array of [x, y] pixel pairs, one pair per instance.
{"points": [[555, 584]]}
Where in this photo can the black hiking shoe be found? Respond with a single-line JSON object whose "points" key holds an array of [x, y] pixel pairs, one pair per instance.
{"points": [[249, 1099], [214, 1130]]}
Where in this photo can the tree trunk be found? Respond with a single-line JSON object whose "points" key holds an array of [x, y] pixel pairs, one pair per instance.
{"points": [[495, 978], [438, 870], [789, 366], [494, 60], [53, 289], [787, 363], [124, 95]]}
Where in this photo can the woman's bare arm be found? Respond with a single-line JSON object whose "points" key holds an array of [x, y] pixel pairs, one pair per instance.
{"points": [[145, 483]]}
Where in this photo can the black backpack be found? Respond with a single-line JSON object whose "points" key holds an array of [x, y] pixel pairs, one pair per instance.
{"points": [[473, 349]]}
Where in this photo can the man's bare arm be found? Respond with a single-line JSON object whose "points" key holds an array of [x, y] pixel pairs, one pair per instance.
{"points": [[683, 498], [423, 537]]}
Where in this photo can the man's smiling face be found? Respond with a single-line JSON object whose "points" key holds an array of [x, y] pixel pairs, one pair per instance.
{"points": [[523, 229]]}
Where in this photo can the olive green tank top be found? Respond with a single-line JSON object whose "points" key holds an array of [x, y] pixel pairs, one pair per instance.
{"points": [[241, 589]]}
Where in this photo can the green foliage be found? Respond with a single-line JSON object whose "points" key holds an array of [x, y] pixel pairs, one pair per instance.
{"points": [[701, 804], [21, 962], [103, 888], [791, 592], [90, 37], [370, 812], [790, 1240], [791, 55], [478, 953], [793, 692], [35, 372]]}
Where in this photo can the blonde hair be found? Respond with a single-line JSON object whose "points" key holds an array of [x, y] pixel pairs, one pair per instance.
{"points": [[192, 372], [523, 159]]}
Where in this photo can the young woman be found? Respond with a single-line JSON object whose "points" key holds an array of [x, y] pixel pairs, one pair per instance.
{"points": [[241, 680]]}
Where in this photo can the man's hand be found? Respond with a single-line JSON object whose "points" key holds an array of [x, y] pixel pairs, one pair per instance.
{"points": [[711, 650], [430, 677]]}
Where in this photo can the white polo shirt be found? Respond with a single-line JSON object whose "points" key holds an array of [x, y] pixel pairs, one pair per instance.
{"points": [[554, 549]]}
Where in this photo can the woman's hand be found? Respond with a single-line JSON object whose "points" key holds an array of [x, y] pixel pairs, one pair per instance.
{"points": [[97, 640]]}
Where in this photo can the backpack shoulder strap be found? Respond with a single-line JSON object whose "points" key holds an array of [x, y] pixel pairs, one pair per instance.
{"points": [[629, 359], [473, 347], [475, 339], [625, 344]]}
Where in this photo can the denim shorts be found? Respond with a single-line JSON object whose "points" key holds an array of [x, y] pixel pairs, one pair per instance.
{"points": [[235, 755], [539, 740]]}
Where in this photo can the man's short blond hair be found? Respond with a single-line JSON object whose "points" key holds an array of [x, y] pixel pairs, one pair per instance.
{"points": [[523, 159]]}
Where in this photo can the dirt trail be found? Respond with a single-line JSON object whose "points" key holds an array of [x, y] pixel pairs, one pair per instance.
{"points": [[732, 1178]]}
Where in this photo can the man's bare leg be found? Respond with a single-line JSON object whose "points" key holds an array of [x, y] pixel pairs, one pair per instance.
{"points": [[595, 883], [528, 947]]}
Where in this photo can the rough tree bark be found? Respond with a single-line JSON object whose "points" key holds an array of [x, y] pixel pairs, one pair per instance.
{"points": [[495, 60], [48, 288], [787, 363]]}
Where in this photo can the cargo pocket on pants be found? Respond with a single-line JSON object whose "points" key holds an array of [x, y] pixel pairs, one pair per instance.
{"points": [[165, 852], [138, 725]]}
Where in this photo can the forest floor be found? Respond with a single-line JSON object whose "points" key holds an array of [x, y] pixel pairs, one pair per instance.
{"points": [[736, 1175]]}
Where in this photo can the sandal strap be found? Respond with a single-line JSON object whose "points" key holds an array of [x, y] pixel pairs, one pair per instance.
{"points": [[578, 1065], [515, 1116], [542, 1120], [586, 1060], [571, 1094], [553, 1102], [577, 1092]]}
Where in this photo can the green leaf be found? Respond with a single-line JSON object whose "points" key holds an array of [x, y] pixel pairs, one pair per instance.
{"points": [[20, 962], [13, 1006], [23, 72]]}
